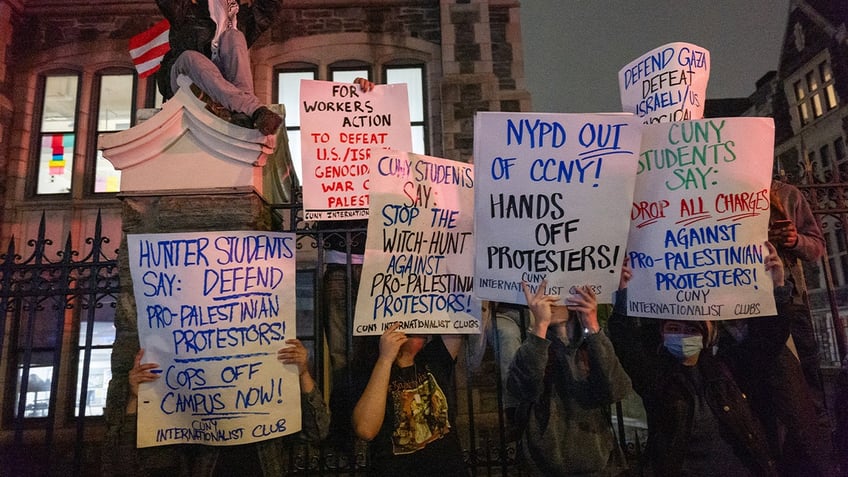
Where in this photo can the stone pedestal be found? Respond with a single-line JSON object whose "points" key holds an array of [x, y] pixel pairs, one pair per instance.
{"points": [[183, 170], [185, 146]]}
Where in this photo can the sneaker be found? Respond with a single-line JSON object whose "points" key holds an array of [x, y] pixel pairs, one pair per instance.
{"points": [[266, 121]]}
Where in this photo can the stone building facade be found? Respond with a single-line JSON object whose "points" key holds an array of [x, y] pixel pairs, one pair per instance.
{"points": [[808, 98], [63, 65]]}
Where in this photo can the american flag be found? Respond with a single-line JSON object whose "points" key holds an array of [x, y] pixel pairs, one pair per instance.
{"points": [[148, 47]]}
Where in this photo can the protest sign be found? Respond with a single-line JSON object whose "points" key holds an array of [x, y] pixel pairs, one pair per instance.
{"points": [[700, 220], [340, 124], [552, 197], [213, 309], [666, 84], [419, 252]]}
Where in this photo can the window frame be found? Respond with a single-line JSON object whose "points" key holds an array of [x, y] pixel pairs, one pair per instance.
{"points": [[326, 72], [812, 92], [90, 176], [34, 169], [425, 100], [292, 67]]}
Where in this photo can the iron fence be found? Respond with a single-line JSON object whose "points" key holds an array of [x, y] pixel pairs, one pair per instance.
{"points": [[56, 306]]}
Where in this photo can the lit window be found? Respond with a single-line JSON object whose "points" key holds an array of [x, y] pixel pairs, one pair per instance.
{"points": [[57, 134], [114, 113], [815, 93], [829, 88], [800, 94], [102, 317], [413, 76], [348, 75], [288, 94]]}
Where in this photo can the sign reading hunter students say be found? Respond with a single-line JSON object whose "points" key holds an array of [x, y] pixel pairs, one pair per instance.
{"points": [[213, 309], [552, 194], [700, 220], [340, 124], [666, 84], [419, 254]]}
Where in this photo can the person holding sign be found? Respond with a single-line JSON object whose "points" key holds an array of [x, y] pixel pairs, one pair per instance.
{"points": [[408, 408], [262, 458], [699, 420], [566, 376], [772, 378]]}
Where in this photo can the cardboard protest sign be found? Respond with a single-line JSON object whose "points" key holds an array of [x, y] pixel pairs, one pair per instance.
{"points": [[553, 193], [418, 267], [666, 84], [213, 309], [339, 125], [700, 220]]}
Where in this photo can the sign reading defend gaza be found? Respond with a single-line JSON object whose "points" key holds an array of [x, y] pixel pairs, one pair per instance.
{"points": [[213, 309], [700, 221], [666, 84], [553, 195], [340, 124]]}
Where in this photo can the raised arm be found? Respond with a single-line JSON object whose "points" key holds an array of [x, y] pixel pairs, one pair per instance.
{"points": [[631, 337], [140, 373], [370, 410], [315, 415], [795, 232], [608, 382]]}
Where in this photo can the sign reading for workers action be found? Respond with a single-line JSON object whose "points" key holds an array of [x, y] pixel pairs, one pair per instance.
{"points": [[700, 220], [213, 309], [340, 124], [553, 194], [418, 267], [666, 84]]}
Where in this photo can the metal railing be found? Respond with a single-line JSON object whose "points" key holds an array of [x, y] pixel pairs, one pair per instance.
{"points": [[51, 305]]}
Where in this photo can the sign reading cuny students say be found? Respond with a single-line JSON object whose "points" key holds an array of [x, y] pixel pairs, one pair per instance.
{"points": [[213, 309], [666, 84], [340, 124], [552, 194], [699, 220], [419, 252]]}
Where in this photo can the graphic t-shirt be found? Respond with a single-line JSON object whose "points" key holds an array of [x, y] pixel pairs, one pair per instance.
{"points": [[420, 410], [417, 436]]}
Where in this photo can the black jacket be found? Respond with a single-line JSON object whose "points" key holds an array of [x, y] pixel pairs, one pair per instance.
{"points": [[670, 400], [193, 29]]}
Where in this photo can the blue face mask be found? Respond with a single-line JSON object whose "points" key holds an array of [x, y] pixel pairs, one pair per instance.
{"points": [[683, 346]]}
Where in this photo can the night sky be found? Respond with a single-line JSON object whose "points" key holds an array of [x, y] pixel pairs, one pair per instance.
{"points": [[574, 49]]}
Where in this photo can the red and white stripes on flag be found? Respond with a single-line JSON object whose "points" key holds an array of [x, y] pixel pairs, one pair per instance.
{"points": [[148, 47]]}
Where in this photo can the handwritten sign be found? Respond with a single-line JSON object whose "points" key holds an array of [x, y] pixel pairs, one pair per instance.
{"points": [[552, 197], [339, 125], [213, 309], [666, 84], [700, 219], [418, 266]]}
